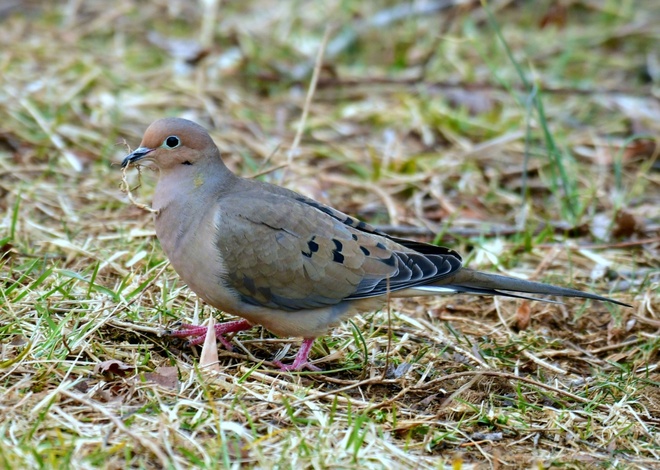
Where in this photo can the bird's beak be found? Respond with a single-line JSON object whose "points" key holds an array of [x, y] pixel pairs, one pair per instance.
{"points": [[136, 155]]}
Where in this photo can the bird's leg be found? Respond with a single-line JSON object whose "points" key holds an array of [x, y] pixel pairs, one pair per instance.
{"points": [[198, 333], [300, 362]]}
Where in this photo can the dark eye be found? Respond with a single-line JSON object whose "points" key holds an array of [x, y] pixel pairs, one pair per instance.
{"points": [[172, 141]]}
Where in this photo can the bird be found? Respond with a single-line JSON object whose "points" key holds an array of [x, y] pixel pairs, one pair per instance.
{"points": [[279, 259]]}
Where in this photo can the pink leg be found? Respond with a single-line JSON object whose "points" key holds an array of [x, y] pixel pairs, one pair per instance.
{"points": [[198, 333], [300, 362]]}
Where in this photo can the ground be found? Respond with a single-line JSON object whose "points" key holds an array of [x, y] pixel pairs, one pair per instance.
{"points": [[522, 134]]}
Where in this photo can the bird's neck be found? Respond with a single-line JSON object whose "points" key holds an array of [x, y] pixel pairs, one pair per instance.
{"points": [[183, 200], [191, 186]]}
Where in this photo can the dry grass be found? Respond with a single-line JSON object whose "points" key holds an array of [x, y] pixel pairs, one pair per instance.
{"points": [[418, 121]]}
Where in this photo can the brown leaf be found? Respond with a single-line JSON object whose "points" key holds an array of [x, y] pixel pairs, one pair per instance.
{"points": [[523, 315], [626, 225], [6, 249], [640, 149], [166, 377], [82, 386], [18, 340], [557, 15], [112, 367], [424, 404]]}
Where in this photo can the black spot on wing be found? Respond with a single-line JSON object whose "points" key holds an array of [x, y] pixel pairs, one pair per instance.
{"points": [[312, 246], [337, 256], [423, 248], [365, 251]]}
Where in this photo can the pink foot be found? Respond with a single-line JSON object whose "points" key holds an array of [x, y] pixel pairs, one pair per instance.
{"points": [[300, 362], [198, 333]]}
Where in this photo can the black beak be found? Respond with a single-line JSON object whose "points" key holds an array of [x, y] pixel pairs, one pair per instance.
{"points": [[135, 156]]}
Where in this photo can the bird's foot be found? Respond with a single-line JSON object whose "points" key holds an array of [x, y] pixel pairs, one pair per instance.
{"points": [[197, 333], [301, 361]]}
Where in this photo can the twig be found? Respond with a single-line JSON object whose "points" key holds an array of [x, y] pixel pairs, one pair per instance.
{"points": [[389, 330], [127, 188], [308, 102]]}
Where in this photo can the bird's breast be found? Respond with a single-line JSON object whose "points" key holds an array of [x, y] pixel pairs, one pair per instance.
{"points": [[188, 237]]}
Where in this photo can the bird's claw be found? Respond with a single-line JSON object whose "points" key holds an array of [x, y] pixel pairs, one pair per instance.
{"points": [[296, 367], [197, 333]]}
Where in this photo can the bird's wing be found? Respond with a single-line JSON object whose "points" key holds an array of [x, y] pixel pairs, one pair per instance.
{"points": [[281, 250]]}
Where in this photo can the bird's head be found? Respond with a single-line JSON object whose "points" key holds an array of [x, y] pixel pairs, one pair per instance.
{"points": [[171, 143]]}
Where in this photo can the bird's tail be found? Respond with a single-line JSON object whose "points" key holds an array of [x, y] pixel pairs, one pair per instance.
{"points": [[475, 282]]}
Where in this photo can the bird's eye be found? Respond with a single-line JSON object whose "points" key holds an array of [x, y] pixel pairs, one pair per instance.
{"points": [[172, 142]]}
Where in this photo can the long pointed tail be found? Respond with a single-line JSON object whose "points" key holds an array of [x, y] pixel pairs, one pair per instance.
{"points": [[475, 282]]}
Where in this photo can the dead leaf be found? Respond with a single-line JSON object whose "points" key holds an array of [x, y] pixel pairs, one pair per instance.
{"points": [[398, 371], [166, 377], [556, 15], [424, 404], [18, 340], [6, 249], [208, 359], [113, 367], [82, 386], [610, 152], [626, 225], [640, 149], [523, 315]]}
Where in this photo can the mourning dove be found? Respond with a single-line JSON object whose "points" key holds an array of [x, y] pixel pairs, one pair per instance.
{"points": [[282, 260]]}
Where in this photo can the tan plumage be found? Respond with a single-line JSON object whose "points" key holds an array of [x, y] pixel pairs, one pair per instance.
{"points": [[284, 261]]}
